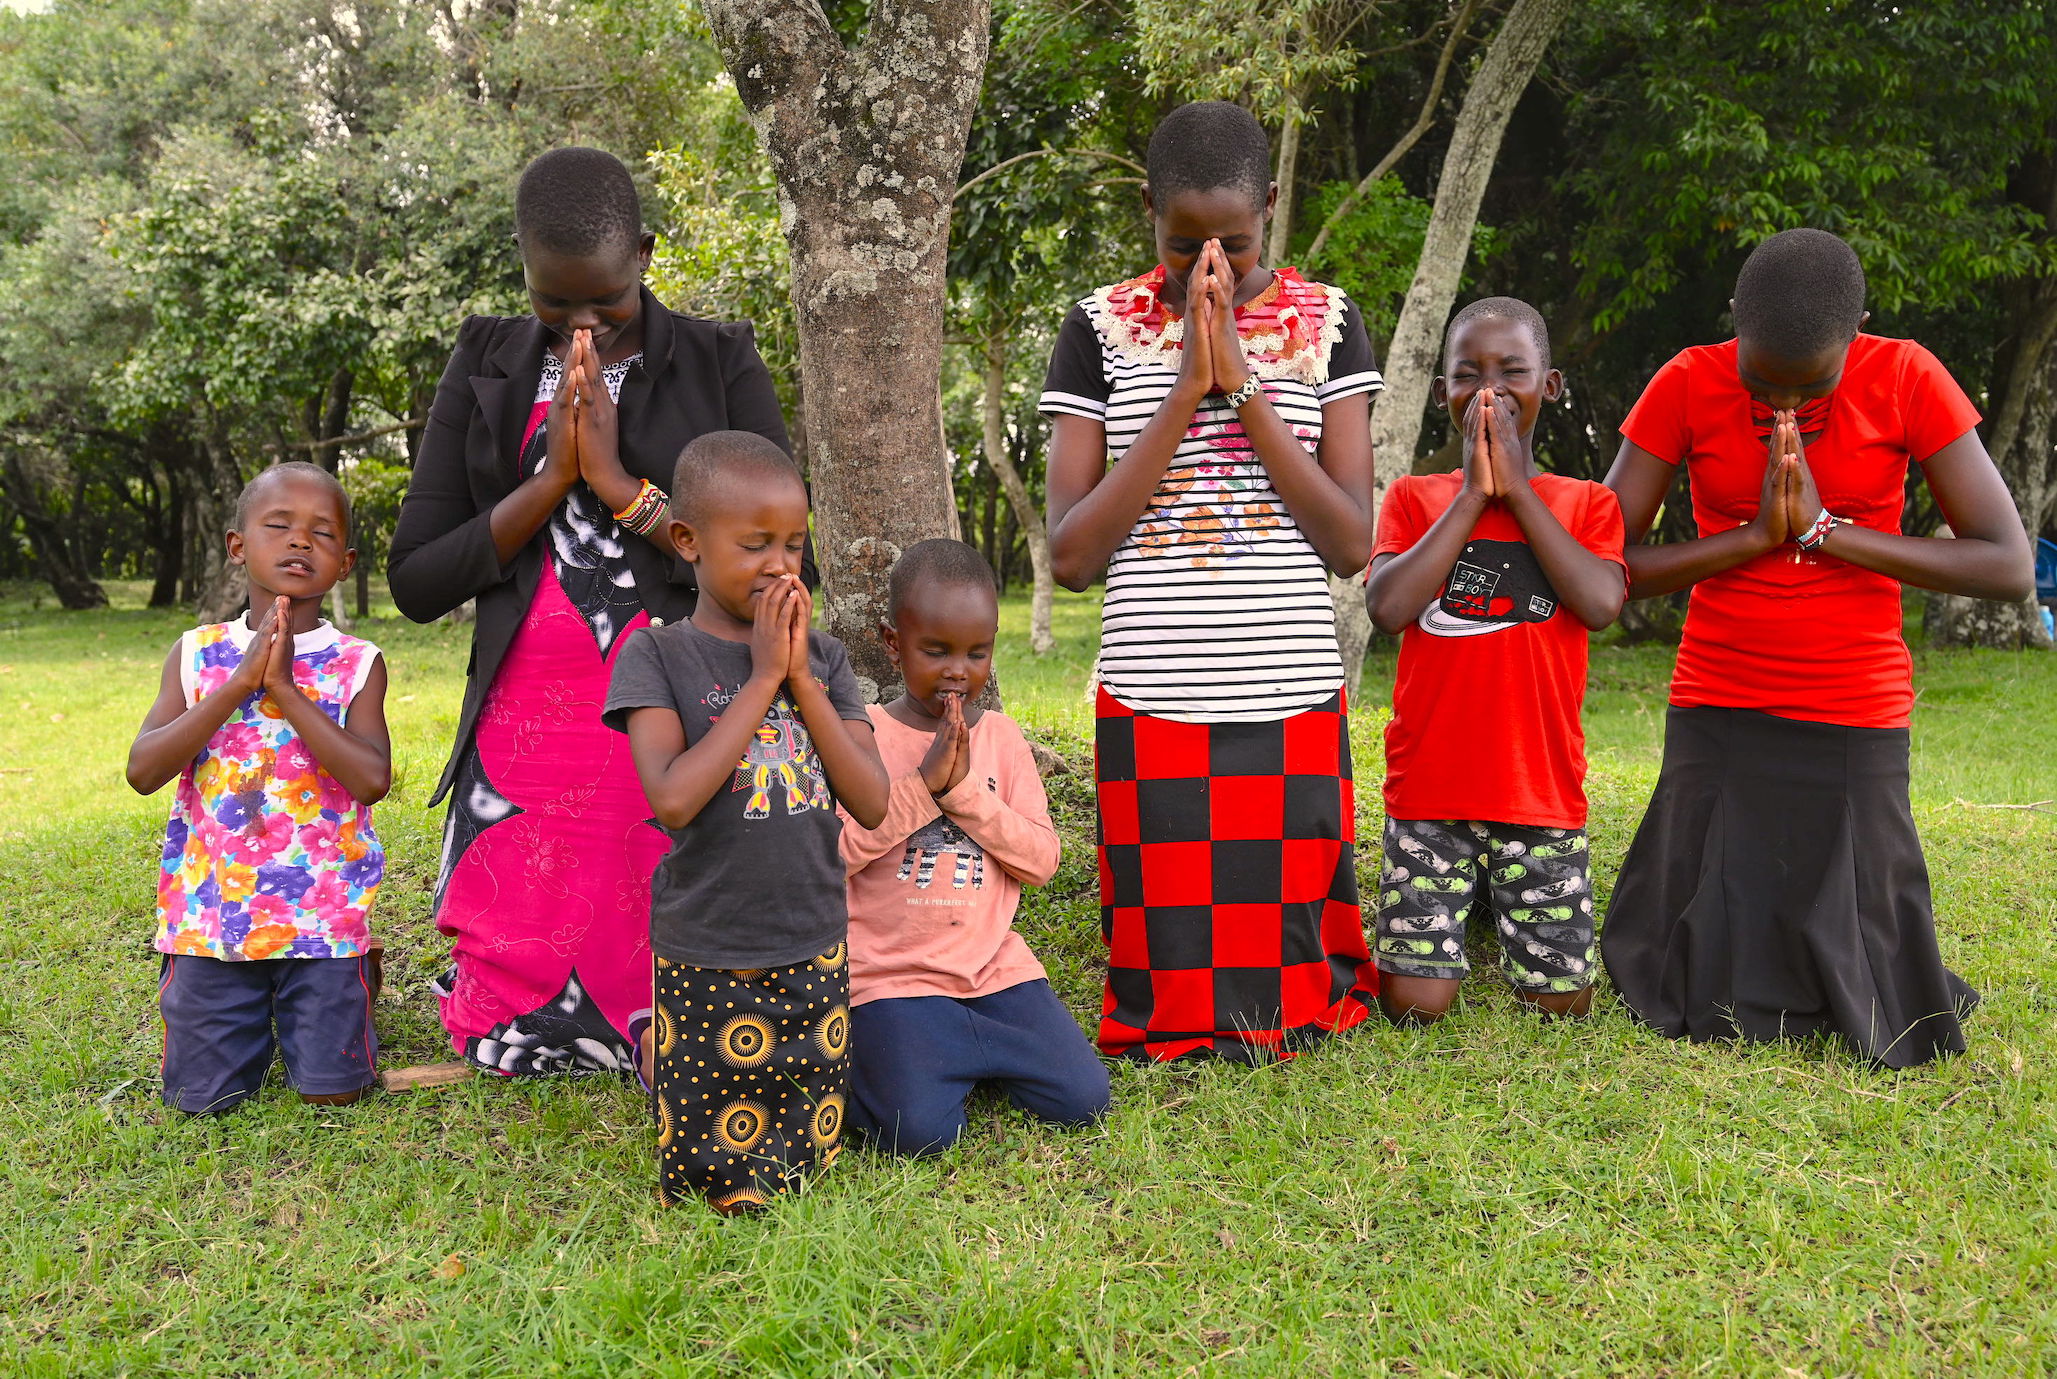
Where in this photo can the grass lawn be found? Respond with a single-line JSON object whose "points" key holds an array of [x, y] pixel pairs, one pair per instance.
{"points": [[1493, 1196]]}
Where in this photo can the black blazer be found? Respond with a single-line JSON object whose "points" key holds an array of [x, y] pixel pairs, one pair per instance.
{"points": [[696, 376]]}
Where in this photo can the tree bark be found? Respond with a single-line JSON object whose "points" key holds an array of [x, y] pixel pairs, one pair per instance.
{"points": [[866, 145], [1415, 356], [1026, 514], [1288, 166]]}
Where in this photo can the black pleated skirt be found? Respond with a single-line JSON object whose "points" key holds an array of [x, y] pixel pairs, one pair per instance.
{"points": [[1776, 887]]}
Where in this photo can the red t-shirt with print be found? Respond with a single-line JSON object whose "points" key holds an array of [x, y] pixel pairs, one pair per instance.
{"points": [[1794, 634], [1493, 673]]}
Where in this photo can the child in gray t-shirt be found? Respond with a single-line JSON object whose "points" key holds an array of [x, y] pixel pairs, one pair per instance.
{"points": [[748, 730]]}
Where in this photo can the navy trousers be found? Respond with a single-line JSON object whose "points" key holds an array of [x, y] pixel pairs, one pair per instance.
{"points": [[914, 1060], [220, 1018]]}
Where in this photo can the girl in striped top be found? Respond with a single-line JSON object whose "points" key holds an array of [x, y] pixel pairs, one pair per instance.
{"points": [[1233, 400]]}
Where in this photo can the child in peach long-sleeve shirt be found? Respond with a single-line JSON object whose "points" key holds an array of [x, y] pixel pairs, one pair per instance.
{"points": [[944, 993]]}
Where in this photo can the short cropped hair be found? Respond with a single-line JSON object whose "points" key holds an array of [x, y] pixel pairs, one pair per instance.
{"points": [[1207, 146], [1505, 309], [939, 561], [719, 458], [298, 469], [1800, 293], [577, 201]]}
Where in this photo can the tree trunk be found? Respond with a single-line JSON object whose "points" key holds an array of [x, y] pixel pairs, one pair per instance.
{"points": [[223, 590], [1288, 167], [1415, 356], [2023, 444], [866, 146], [1026, 514], [75, 588]]}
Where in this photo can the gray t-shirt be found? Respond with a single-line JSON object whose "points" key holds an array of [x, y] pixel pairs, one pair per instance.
{"points": [[756, 879]]}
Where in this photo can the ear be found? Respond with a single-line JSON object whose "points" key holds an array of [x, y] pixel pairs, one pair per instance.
{"points": [[1149, 206], [1860, 324], [349, 564], [1553, 385], [235, 548], [1439, 391], [685, 542], [890, 635], [645, 247], [1270, 200]]}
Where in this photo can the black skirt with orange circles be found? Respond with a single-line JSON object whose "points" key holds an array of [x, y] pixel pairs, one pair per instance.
{"points": [[748, 1079]]}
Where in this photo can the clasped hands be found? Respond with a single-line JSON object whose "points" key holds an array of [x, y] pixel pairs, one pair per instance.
{"points": [[1788, 504], [267, 662], [589, 446], [1493, 466], [1212, 358], [948, 759], [778, 634]]}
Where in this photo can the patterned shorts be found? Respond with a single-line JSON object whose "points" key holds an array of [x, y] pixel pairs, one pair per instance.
{"points": [[1535, 882], [749, 1074]]}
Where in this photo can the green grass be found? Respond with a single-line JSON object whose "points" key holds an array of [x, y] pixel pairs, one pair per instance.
{"points": [[1493, 1196]]}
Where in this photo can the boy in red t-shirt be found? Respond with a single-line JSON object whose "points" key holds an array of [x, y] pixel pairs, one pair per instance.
{"points": [[1496, 572]]}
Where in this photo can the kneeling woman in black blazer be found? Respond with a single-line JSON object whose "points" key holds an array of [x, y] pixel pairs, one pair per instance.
{"points": [[539, 491]]}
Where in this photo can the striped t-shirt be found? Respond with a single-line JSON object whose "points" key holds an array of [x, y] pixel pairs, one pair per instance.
{"points": [[1217, 608]]}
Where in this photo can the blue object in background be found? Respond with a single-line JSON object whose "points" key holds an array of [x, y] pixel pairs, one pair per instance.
{"points": [[2046, 570]]}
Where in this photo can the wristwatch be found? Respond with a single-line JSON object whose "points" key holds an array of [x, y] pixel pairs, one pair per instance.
{"points": [[1250, 389]]}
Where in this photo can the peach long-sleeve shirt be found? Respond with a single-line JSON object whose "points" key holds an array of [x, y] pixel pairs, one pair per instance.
{"points": [[933, 888]]}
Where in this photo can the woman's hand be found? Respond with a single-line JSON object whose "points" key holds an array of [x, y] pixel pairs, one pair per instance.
{"points": [[1196, 358], [1478, 455], [771, 633], [1770, 526], [949, 754], [1225, 348], [598, 425], [1803, 503], [561, 460]]}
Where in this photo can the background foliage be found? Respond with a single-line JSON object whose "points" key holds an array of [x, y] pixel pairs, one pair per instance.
{"points": [[240, 231]]}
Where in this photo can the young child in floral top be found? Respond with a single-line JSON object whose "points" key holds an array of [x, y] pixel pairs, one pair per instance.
{"points": [[274, 726]]}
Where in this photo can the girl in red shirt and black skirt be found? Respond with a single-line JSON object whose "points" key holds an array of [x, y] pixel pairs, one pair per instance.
{"points": [[1776, 886]]}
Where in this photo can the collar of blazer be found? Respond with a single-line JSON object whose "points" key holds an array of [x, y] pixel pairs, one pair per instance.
{"points": [[507, 389]]}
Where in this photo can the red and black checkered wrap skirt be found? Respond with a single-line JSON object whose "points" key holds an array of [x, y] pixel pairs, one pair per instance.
{"points": [[1228, 891]]}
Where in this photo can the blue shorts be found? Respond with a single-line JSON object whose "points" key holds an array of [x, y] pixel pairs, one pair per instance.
{"points": [[914, 1060], [219, 1017]]}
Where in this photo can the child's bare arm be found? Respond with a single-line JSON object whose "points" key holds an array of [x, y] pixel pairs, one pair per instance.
{"points": [[849, 754], [173, 733], [359, 756], [1592, 587], [679, 780], [848, 749], [1405, 582]]}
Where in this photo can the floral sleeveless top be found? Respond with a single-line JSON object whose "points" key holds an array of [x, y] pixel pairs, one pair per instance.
{"points": [[265, 854]]}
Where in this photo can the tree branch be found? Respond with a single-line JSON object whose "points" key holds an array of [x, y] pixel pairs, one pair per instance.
{"points": [[1423, 122], [336, 442], [1004, 164]]}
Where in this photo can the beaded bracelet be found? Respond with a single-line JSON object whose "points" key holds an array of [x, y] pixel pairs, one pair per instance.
{"points": [[646, 511], [1824, 523]]}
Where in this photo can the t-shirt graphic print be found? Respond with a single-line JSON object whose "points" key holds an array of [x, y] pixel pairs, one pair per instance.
{"points": [[780, 760], [1495, 585]]}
